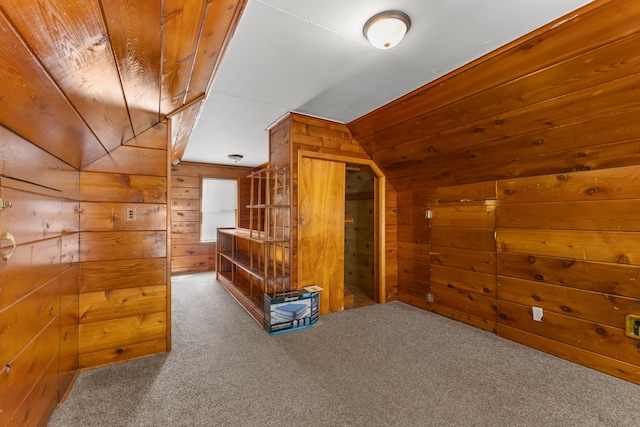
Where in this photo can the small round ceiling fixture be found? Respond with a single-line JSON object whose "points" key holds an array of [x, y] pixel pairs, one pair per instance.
{"points": [[386, 29], [235, 157]]}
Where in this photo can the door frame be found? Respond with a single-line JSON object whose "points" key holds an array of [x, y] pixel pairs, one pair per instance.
{"points": [[379, 184]]}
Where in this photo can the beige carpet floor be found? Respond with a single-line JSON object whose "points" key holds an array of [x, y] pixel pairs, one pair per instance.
{"points": [[381, 365]]}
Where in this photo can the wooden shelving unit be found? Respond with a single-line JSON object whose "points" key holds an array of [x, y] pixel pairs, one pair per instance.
{"points": [[254, 261]]}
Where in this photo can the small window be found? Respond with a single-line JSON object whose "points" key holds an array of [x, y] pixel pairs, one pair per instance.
{"points": [[219, 206]]}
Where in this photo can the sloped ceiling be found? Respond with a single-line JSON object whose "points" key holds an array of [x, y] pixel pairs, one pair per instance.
{"points": [[311, 57], [80, 78]]}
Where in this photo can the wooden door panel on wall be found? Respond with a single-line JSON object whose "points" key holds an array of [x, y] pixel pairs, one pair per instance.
{"points": [[38, 282], [321, 199], [35, 374], [462, 260]]}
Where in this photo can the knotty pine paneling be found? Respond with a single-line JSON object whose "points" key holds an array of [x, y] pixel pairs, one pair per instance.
{"points": [[123, 187], [123, 353], [450, 233], [468, 307], [139, 62], [44, 207], [39, 284], [189, 254], [359, 243], [122, 331], [36, 99], [181, 125], [109, 216], [296, 133], [391, 244], [608, 278], [178, 50], [142, 160], [219, 21], [38, 381], [105, 275], [548, 124], [123, 260], [115, 303], [596, 361], [80, 47], [568, 244], [589, 29]]}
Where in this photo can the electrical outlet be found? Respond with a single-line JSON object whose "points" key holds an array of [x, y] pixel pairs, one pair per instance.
{"points": [[429, 297], [538, 313], [632, 326], [130, 214]]}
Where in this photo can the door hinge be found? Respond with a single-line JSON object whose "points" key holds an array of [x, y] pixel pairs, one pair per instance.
{"points": [[5, 204]]}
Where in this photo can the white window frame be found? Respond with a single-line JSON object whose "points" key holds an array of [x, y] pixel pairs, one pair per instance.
{"points": [[218, 206]]}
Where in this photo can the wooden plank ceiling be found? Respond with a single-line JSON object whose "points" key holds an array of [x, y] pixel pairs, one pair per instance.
{"points": [[82, 77]]}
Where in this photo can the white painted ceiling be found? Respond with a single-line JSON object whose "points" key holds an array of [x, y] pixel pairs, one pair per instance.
{"points": [[310, 56]]}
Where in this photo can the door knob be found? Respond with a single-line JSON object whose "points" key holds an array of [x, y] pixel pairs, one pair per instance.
{"points": [[8, 236]]}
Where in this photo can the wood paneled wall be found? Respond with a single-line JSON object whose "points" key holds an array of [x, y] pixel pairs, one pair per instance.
{"points": [[570, 244], [188, 253], [298, 132], [39, 284], [124, 291], [540, 137]]}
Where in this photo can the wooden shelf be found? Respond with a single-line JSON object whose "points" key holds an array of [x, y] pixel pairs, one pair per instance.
{"points": [[255, 261]]}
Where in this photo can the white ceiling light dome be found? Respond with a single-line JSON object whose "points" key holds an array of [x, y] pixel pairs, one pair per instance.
{"points": [[386, 29]]}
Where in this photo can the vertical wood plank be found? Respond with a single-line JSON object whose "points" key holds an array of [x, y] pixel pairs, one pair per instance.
{"points": [[71, 40], [136, 41]]}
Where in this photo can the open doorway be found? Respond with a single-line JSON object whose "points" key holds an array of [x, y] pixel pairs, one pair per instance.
{"points": [[359, 237]]}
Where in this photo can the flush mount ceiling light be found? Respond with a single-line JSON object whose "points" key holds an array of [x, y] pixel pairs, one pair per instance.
{"points": [[235, 157], [387, 29]]}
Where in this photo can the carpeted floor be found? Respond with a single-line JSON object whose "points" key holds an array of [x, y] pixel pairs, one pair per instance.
{"points": [[382, 365]]}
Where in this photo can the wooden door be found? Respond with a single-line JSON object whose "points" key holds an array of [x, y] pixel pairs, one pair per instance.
{"points": [[321, 193]]}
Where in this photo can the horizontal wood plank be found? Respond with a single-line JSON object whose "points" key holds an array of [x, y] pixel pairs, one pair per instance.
{"points": [[130, 159], [124, 331], [462, 301], [31, 266], [121, 245], [615, 279], [608, 365], [591, 336], [464, 216], [99, 216], [621, 183], [463, 259], [105, 275], [464, 280], [481, 239], [603, 246], [43, 306], [587, 305], [109, 187], [612, 215], [122, 353], [117, 303]]}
